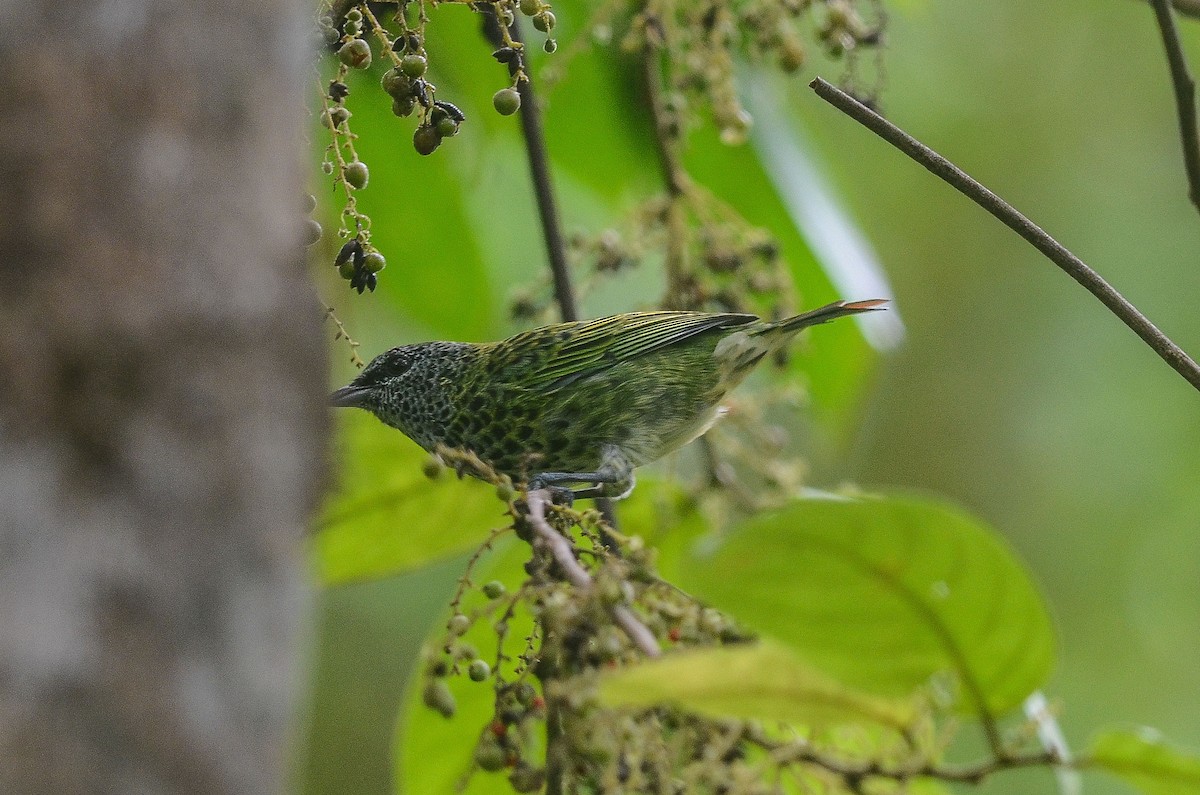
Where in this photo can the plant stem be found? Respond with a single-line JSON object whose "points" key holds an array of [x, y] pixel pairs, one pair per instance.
{"points": [[1185, 96], [1171, 353]]}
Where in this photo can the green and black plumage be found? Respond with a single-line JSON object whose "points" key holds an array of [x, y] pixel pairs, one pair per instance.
{"points": [[580, 402]]}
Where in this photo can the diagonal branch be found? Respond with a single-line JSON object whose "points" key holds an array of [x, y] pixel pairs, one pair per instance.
{"points": [[1076, 268], [1185, 96], [625, 618]]}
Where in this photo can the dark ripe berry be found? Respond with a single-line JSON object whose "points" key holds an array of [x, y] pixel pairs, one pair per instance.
{"points": [[504, 54], [372, 281], [348, 251], [395, 83], [356, 174], [338, 91], [544, 21], [446, 127], [426, 139], [312, 232], [507, 101], [549, 45], [404, 106], [374, 262], [414, 41], [414, 65], [355, 53], [530, 7], [451, 110]]}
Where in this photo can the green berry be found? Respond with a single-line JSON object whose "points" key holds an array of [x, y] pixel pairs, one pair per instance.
{"points": [[437, 696], [530, 7], [327, 167], [458, 624], [355, 53], [446, 127], [338, 115], [374, 262], [544, 21], [478, 670], [352, 28], [312, 232], [506, 101], [413, 65], [550, 46], [426, 139], [354, 15], [395, 83], [494, 589], [346, 269], [525, 694], [356, 174], [489, 754]]}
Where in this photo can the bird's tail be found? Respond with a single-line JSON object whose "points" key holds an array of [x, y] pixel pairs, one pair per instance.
{"points": [[829, 312]]}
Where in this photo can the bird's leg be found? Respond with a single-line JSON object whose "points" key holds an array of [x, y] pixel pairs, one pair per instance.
{"points": [[613, 479]]}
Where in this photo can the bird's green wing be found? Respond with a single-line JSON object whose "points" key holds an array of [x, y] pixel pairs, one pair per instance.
{"points": [[581, 349]]}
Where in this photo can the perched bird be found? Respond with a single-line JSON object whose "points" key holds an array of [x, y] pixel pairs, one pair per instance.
{"points": [[584, 402]]}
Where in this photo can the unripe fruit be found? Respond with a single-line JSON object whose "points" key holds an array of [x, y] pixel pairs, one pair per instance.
{"points": [[374, 262], [527, 778], [478, 670], [404, 106], [426, 139], [489, 754], [506, 101], [458, 624], [396, 83], [530, 7], [433, 467], [446, 127], [413, 65], [494, 589], [355, 53], [437, 696], [346, 270], [312, 232], [550, 46], [544, 21], [356, 174]]}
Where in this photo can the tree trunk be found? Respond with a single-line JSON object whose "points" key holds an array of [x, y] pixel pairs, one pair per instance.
{"points": [[162, 422]]}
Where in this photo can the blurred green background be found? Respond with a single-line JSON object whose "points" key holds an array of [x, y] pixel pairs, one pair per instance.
{"points": [[1015, 394]]}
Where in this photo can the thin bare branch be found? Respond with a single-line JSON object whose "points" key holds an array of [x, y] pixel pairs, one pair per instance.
{"points": [[1171, 353], [560, 547], [1185, 95]]}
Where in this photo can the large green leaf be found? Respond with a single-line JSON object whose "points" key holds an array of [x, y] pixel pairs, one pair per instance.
{"points": [[386, 516], [885, 594], [764, 680], [1142, 758]]}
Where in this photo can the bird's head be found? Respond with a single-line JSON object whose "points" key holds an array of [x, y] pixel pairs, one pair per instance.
{"points": [[406, 387]]}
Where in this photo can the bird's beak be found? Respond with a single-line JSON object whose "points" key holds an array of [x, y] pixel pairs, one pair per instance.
{"points": [[350, 396]]}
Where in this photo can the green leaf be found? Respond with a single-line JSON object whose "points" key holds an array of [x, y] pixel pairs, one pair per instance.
{"points": [[885, 594], [1142, 758], [765, 680], [386, 516]]}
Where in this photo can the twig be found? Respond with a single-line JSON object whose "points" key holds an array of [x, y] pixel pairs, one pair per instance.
{"points": [[560, 548], [543, 189], [1171, 353], [1185, 96]]}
